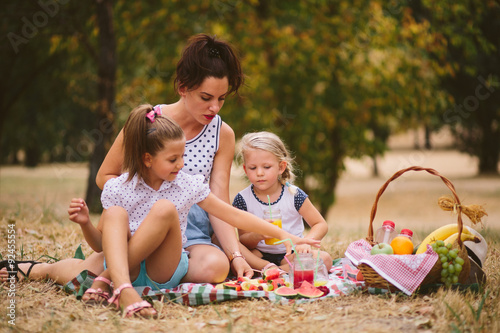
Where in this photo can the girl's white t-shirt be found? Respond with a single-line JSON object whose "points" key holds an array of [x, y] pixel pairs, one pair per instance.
{"points": [[287, 203], [137, 198]]}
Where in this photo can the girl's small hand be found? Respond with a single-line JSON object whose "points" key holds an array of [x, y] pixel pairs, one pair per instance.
{"points": [[78, 211], [303, 248], [297, 241]]}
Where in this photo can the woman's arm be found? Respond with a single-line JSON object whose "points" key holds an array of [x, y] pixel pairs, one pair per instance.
{"points": [[111, 167], [219, 186], [244, 220], [250, 239]]}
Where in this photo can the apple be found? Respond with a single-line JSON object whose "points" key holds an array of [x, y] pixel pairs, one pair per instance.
{"points": [[382, 248]]}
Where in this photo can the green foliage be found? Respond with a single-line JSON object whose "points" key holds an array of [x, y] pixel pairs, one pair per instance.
{"points": [[332, 78], [467, 62]]}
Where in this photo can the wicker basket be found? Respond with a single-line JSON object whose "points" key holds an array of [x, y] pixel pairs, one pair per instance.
{"points": [[373, 279]]}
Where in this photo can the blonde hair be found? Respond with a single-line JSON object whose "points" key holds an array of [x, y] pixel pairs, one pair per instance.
{"points": [[270, 142], [146, 131]]}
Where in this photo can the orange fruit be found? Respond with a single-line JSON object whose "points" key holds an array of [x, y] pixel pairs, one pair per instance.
{"points": [[402, 245]]}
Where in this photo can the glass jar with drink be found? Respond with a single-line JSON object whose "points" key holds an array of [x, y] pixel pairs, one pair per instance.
{"points": [[302, 270], [273, 216]]}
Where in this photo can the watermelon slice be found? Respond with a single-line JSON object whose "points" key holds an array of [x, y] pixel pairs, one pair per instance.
{"points": [[279, 282], [271, 274], [232, 285], [309, 291], [286, 292]]}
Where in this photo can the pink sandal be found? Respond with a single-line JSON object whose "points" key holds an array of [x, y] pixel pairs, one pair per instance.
{"points": [[133, 308], [103, 296]]}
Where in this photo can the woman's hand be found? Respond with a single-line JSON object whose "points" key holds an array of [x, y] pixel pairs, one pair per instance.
{"points": [[241, 268]]}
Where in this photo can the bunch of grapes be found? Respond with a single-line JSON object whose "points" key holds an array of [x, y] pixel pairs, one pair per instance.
{"points": [[451, 262]]}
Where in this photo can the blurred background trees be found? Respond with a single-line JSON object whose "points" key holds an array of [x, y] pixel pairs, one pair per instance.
{"points": [[333, 78]]}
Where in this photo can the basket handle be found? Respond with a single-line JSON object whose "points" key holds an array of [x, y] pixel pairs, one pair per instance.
{"points": [[416, 168]]}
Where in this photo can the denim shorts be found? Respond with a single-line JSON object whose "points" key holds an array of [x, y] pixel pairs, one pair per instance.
{"points": [[144, 280], [199, 230]]}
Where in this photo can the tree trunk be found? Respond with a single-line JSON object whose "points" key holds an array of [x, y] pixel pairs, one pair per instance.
{"points": [[102, 135], [490, 141]]}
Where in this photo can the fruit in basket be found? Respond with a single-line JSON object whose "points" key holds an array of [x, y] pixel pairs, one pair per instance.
{"points": [[440, 234], [464, 237], [382, 248], [402, 245], [454, 262]]}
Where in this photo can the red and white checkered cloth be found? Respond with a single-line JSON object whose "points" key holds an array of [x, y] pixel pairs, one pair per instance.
{"points": [[406, 272]]}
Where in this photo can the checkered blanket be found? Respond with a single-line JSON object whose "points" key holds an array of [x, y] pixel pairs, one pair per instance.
{"points": [[406, 272], [198, 294]]}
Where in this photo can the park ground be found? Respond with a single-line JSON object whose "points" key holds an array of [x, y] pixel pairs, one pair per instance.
{"points": [[36, 200]]}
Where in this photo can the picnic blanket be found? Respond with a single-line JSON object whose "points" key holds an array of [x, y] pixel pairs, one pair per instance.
{"points": [[199, 294]]}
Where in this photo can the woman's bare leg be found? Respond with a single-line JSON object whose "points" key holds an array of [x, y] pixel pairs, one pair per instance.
{"points": [[62, 271], [207, 264]]}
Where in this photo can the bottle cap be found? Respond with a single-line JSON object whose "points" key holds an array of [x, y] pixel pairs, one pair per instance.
{"points": [[389, 223], [407, 232]]}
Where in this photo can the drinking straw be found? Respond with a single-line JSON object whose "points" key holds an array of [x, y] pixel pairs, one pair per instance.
{"points": [[316, 268], [270, 210], [288, 261], [293, 248]]}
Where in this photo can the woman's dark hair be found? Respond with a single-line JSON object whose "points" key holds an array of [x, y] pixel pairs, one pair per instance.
{"points": [[205, 56]]}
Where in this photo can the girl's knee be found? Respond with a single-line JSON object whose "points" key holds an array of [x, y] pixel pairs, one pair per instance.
{"points": [[327, 259], [165, 209], [115, 212]]}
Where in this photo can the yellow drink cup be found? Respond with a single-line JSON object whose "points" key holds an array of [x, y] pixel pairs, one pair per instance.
{"points": [[273, 217]]}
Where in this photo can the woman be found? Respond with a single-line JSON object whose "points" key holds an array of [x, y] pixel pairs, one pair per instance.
{"points": [[206, 74]]}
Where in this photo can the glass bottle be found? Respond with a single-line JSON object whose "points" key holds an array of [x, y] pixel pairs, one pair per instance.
{"points": [[386, 232], [302, 270]]}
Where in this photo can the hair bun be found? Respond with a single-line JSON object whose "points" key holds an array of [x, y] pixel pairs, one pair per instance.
{"points": [[213, 52]]}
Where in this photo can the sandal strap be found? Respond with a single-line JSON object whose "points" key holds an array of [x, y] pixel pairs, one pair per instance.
{"points": [[98, 291], [103, 279], [7, 264], [136, 307], [29, 269], [118, 290], [115, 299]]}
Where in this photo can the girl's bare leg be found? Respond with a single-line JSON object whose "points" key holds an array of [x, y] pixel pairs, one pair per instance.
{"points": [[158, 241]]}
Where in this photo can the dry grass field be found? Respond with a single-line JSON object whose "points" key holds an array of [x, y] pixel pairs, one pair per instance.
{"points": [[36, 200]]}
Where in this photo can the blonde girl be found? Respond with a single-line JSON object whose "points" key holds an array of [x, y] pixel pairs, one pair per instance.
{"points": [[269, 167]]}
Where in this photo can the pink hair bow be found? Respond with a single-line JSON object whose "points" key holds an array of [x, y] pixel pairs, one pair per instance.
{"points": [[151, 115]]}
